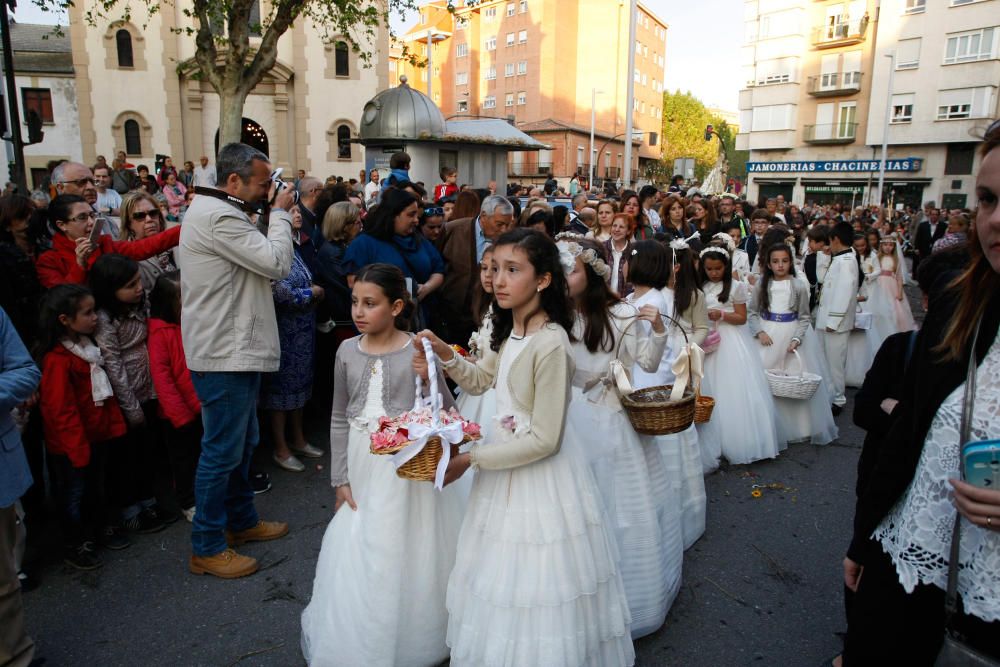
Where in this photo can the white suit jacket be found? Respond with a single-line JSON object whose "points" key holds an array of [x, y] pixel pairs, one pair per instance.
{"points": [[839, 299]]}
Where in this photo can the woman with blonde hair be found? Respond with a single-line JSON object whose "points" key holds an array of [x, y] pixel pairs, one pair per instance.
{"points": [[601, 231], [534, 204], [141, 217]]}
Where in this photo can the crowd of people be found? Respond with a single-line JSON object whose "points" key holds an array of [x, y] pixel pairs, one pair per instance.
{"points": [[161, 328]]}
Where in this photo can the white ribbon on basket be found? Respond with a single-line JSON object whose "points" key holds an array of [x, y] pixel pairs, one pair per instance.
{"points": [[688, 367], [450, 434]]}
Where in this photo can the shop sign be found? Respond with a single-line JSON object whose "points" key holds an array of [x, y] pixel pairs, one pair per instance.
{"points": [[853, 166], [844, 189]]}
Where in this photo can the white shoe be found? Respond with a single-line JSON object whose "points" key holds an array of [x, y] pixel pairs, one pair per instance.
{"points": [[291, 464], [309, 451], [188, 514]]}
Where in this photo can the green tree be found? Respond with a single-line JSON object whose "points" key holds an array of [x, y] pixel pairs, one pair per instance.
{"points": [[684, 121], [222, 31], [737, 159]]}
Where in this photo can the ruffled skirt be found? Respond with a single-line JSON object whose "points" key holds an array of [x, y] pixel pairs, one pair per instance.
{"points": [[681, 457], [536, 580], [382, 574], [643, 503]]}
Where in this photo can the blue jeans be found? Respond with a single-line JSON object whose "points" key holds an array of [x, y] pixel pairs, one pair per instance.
{"points": [[222, 490]]}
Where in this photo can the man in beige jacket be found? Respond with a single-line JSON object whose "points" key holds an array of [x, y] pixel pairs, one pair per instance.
{"points": [[230, 337]]}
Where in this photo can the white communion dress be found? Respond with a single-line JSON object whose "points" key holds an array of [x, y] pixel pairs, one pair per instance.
{"points": [[888, 303], [642, 501], [797, 420], [382, 574], [680, 452], [863, 343], [536, 580], [744, 419], [482, 408]]}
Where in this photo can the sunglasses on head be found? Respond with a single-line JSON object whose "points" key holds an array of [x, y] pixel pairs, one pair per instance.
{"points": [[431, 212]]}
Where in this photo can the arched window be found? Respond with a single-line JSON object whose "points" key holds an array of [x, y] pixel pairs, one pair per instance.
{"points": [[343, 142], [123, 41], [342, 67], [133, 141]]}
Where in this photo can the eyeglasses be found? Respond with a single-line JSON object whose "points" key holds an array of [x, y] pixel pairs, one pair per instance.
{"points": [[431, 212], [84, 217], [142, 215], [80, 182]]}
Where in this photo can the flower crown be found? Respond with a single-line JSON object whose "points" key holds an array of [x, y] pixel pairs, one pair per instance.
{"points": [[570, 250], [714, 250]]}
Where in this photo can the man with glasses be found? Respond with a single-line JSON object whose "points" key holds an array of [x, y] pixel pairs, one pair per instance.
{"points": [[462, 245], [73, 178]]}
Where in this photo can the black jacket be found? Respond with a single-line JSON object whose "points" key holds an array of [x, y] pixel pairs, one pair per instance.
{"points": [[927, 383], [926, 238]]}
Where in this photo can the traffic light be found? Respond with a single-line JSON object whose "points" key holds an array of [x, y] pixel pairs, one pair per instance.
{"points": [[35, 134], [708, 132], [12, 171]]}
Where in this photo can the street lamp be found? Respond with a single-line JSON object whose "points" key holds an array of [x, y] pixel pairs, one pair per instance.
{"points": [[594, 92], [885, 125]]}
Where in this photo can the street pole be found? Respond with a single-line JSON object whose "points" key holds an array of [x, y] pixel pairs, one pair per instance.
{"points": [[13, 117], [630, 94], [590, 169], [430, 64], [885, 125]]}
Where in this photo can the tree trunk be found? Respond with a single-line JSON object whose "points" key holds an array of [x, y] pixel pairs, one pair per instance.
{"points": [[231, 115]]}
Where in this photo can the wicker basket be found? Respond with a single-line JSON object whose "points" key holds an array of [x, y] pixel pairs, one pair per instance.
{"points": [[703, 406], [423, 466], [650, 410], [801, 387]]}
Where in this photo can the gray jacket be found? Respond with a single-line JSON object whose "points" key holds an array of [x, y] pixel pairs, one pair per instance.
{"points": [[227, 318]]}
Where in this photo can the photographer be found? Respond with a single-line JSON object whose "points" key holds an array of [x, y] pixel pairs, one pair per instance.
{"points": [[230, 336]]}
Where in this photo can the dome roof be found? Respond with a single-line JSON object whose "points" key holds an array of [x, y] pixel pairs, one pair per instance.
{"points": [[399, 113]]}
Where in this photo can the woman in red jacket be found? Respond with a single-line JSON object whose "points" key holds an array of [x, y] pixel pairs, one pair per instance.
{"points": [[80, 417], [73, 254], [178, 401]]}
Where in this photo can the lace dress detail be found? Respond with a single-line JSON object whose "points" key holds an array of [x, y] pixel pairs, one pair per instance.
{"points": [[917, 532], [367, 421]]}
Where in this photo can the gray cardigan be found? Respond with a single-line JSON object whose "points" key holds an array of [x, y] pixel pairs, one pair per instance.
{"points": [[800, 289], [352, 372]]}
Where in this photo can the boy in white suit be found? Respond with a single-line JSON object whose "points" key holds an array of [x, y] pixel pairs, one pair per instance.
{"points": [[837, 303]]}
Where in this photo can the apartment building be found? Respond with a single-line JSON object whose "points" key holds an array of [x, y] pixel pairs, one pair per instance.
{"points": [[945, 73], [538, 64], [804, 111]]}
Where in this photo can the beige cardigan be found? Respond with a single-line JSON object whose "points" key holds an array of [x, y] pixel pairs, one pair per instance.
{"points": [[539, 385]]}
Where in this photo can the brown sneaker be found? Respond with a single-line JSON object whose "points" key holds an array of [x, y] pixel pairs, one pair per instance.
{"points": [[227, 565], [263, 531]]}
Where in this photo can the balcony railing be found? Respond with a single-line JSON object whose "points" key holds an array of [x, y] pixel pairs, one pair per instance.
{"points": [[612, 172], [835, 83], [830, 133], [840, 34], [530, 169]]}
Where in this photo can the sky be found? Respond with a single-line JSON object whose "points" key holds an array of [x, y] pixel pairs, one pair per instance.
{"points": [[712, 74]]}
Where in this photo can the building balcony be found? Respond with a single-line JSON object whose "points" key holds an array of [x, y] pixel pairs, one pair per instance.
{"points": [[612, 172], [830, 133], [840, 34], [832, 85], [537, 169]]}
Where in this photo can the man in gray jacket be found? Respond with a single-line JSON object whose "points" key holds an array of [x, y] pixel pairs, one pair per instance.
{"points": [[230, 337]]}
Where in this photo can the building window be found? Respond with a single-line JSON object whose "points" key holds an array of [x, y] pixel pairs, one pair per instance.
{"points": [[343, 142], [522, 67], [958, 161], [491, 73], [645, 51], [461, 50], [489, 14], [522, 98], [908, 53], [638, 48], [902, 108], [133, 138], [341, 59], [509, 100], [915, 6], [772, 117], [953, 111], [522, 37], [508, 69], [510, 39], [644, 79], [635, 76], [524, 6], [38, 100], [423, 75], [461, 23], [966, 103], [511, 8], [969, 47], [462, 79], [490, 102], [491, 44], [123, 44], [463, 106]]}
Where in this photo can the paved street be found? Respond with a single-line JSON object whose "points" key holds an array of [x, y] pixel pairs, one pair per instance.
{"points": [[762, 587]]}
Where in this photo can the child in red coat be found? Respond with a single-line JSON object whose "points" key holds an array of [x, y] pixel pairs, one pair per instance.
{"points": [[178, 401], [80, 417]]}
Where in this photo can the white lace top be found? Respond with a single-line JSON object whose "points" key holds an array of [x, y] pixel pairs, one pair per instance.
{"points": [[917, 532], [737, 294], [367, 421]]}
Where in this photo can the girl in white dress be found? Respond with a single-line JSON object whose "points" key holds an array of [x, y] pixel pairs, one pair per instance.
{"points": [[890, 309], [779, 320], [536, 580], [642, 503], [744, 418], [481, 408], [382, 573]]}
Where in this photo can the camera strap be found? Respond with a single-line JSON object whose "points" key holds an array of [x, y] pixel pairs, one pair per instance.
{"points": [[244, 206]]}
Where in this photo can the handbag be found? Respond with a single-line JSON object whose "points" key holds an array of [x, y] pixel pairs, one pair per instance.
{"points": [[954, 651]]}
